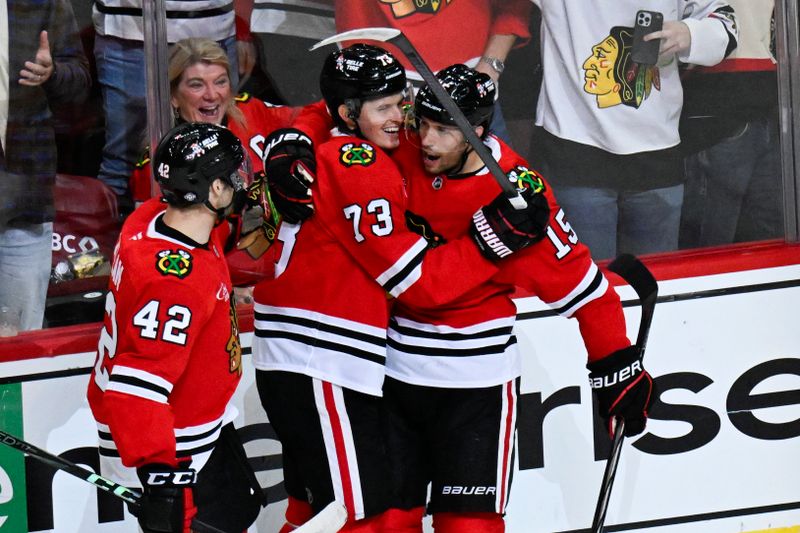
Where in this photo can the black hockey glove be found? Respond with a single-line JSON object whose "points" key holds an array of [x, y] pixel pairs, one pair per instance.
{"points": [[162, 505], [290, 167], [500, 230], [623, 388]]}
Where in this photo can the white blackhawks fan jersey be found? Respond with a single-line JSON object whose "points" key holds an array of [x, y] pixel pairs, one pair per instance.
{"points": [[597, 95], [169, 357], [470, 342], [325, 313]]}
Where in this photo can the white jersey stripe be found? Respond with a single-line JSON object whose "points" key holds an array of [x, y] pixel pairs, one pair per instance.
{"points": [[347, 353], [410, 259], [592, 286], [143, 375], [436, 355]]}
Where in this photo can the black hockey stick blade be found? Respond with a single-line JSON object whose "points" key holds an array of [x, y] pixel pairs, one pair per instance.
{"points": [[398, 38], [132, 497], [635, 274]]}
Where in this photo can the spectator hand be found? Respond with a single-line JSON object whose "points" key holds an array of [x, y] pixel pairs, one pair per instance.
{"points": [[246, 52], [39, 70], [162, 506], [623, 388], [290, 167], [675, 39], [499, 229]]}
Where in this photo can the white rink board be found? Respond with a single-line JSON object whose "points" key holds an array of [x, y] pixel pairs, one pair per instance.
{"points": [[733, 483]]}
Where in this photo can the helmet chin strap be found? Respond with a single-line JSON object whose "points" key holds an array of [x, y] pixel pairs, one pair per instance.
{"points": [[220, 212], [456, 169]]}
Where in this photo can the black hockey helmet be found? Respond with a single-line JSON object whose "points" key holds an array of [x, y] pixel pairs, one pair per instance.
{"points": [[474, 92], [358, 73], [192, 155]]}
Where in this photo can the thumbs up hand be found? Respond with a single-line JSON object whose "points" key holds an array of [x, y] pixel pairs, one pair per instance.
{"points": [[39, 70]]}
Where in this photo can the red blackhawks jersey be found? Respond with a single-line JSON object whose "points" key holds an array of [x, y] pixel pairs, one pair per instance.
{"points": [[260, 119], [325, 313], [169, 357], [470, 343]]}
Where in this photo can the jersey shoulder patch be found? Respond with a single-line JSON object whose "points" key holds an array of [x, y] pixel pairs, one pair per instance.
{"points": [[357, 153], [242, 97], [525, 178], [176, 263]]}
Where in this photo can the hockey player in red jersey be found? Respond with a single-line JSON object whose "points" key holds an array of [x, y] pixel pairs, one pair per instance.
{"points": [[169, 357], [452, 374], [320, 326]]}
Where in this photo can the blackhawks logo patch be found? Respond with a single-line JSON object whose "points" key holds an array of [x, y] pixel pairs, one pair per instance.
{"points": [[525, 178], [357, 154], [177, 263]]}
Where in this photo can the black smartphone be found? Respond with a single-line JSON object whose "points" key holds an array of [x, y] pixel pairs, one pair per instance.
{"points": [[646, 52]]}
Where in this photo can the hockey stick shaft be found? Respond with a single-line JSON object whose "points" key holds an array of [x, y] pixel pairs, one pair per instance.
{"points": [[398, 38], [129, 496], [633, 271]]}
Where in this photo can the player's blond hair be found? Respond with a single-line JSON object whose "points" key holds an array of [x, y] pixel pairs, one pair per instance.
{"points": [[188, 52]]}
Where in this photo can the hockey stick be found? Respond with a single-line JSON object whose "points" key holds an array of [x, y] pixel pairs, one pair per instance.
{"points": [[642, 281], [130, 496], [397, 38], [329, 520]]}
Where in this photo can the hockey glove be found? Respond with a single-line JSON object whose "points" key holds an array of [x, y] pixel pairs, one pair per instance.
{"points": [[623, 388], [500, 230], [260, 224], [162, 506], [290, 167]]}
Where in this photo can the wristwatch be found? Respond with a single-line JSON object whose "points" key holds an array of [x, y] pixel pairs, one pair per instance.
{"points": [[495, 63]]}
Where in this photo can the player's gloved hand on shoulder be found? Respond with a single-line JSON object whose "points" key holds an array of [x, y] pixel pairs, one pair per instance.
{"points": [[623, 388], [500, 230], [163, 503], [290, 167]]}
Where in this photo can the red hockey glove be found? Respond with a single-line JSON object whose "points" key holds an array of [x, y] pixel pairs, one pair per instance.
{"points": [[623, 388], [290, 167], [500, 230], [163, 499]]}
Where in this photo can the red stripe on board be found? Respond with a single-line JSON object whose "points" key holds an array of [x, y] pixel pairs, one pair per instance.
{"points": [[338, 442], [507, 443]]}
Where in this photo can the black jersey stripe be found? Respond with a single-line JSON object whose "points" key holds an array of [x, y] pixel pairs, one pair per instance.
{"points": [[320, 343], [107, 452], [138, 383], [195, 451], [409, 331], [170, 14], [404, 272], [596, 281], [492, 349], [322, 326], [199, 436]]}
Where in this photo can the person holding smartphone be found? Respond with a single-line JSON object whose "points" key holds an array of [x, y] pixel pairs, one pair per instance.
{"points": [[607, 123]]}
